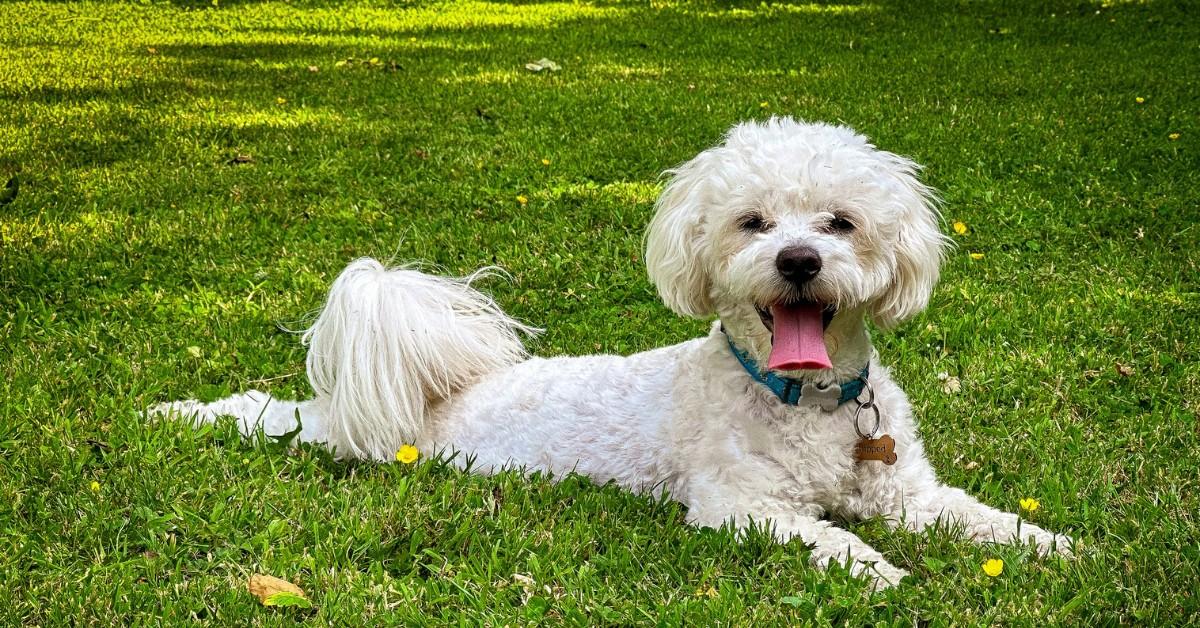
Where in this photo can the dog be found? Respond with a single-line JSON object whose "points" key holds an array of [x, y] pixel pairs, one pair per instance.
{"points": [[792, 234]]}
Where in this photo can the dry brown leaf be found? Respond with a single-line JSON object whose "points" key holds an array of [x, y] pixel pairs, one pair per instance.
{"points": [[1125, 371], [543, 64], [527, 584], [263, 587], [525, 581]]}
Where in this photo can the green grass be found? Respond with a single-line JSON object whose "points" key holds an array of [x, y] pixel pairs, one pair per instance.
{"points": [[133, 239]]}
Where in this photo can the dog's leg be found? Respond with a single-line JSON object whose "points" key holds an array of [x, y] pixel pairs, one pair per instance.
{"points": [[910, 495], [829, 543], [253, 410], [979, 522]]}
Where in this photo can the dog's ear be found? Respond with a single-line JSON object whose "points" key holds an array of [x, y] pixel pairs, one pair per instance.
{"points": [[674, 240], [920, 246]]}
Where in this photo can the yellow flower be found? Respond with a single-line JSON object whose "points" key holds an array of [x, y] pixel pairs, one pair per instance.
{"points": [[977, 256], [960, 228], [408, 454], [545, 162], [281, 101], [764, 104], [521, 199], [1030, 505], [95, 486], [1140, 100], [1173, 136], [993, 567]]}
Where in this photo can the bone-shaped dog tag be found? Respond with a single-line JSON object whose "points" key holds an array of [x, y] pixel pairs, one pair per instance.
{"points": [[882, 449], [828, 397]]}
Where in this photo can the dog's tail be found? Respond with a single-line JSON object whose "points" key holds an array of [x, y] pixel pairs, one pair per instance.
{"points": [[392, 341]]}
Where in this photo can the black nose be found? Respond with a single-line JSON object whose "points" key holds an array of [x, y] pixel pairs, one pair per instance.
{"points": [[798, 264]]}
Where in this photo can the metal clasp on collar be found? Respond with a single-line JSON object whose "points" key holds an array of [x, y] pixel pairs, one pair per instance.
{"points": [[868, 405], [828, 398]]}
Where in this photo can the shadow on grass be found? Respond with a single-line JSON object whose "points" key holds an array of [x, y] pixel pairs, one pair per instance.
{"points": [[469, 67], [454, 120]]}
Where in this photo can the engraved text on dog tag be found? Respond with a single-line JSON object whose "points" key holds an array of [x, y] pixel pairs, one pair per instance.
{"points": [[882, 449]]}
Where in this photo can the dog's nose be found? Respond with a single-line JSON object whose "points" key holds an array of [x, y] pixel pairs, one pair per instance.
{"points": [[798, 264]]}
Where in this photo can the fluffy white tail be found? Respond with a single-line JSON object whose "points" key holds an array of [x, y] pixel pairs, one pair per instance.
{"points": [[390, 342]]}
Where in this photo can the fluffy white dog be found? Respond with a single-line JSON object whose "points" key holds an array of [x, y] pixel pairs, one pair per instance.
{"points": [[793, 234]]}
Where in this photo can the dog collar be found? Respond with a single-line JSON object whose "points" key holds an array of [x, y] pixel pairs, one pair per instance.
{"points": [[794, 392]]}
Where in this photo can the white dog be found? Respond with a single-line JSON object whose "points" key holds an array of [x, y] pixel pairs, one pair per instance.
{"points": [[793, 234]]}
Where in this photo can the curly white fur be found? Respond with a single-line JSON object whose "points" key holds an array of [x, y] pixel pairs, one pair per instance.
{"points": [[389, 341], [399, 357]]}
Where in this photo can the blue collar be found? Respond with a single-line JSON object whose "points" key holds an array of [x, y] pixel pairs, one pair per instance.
{"points": [[793, 391]]}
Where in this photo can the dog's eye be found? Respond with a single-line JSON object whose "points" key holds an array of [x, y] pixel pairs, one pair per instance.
{"points": [[753, 223], [841, 224]]}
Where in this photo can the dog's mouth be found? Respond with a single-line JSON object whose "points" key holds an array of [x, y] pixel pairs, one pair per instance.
{"points": [[797, 334]]}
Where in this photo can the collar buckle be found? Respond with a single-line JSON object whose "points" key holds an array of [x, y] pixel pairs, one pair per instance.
{"points": [[828, 398]]}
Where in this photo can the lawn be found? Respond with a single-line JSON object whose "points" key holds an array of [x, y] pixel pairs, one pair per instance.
{"points": [[185, 179]]}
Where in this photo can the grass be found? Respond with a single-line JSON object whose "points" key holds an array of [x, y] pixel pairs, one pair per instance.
{"points": [[140, 262]]}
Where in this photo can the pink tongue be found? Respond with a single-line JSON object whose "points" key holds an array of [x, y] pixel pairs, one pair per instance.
{"points": [[799, 341]]}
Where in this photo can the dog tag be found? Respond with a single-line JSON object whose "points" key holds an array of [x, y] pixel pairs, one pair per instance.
{"points": [[882, 449], [829, 397]]}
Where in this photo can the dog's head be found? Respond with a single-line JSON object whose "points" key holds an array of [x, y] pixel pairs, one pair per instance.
{"points": [[787, 218]]}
